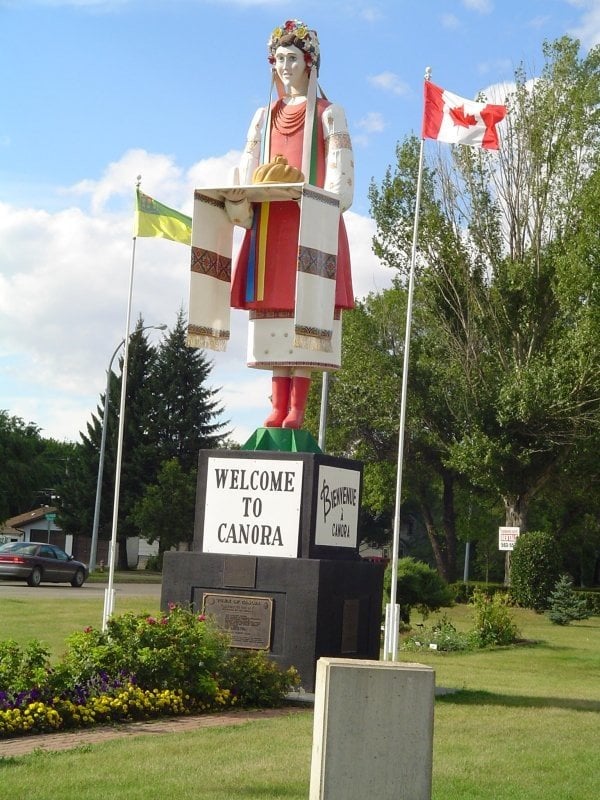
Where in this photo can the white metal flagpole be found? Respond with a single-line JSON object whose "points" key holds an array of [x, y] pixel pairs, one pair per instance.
{"points": [[324, 410], [109, 592], [392, 611]]}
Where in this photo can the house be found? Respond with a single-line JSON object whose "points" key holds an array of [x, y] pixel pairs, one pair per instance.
{"points": [[38, 525]]}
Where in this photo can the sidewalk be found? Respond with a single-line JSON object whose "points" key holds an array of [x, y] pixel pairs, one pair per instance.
{"points": [[48, 742]]}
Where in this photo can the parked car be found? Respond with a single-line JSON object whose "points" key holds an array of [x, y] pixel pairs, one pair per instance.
{"points": [[35, 562]]}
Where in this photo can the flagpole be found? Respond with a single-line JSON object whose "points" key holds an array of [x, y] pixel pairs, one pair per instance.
{"points": [[392, 611], [324, 410], [109, 592]]}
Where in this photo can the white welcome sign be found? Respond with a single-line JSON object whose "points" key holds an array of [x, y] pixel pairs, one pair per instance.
{"points": [[336, 524], [252, 507]]}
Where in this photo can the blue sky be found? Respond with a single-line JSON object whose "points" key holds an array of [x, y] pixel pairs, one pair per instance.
{"points": [[95, 92]]}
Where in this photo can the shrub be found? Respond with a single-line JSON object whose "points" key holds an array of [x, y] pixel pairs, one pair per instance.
{"points": [[419, 586], [535, 568], [154, 563], [566, 604], [254, 680], [141, 666], [442, 636], [22, 668], [464, 591], [178, 650], [592, 600], [494, 623]]}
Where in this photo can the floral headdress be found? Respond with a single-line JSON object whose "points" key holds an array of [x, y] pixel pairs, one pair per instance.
{"points": [[308, 41]]}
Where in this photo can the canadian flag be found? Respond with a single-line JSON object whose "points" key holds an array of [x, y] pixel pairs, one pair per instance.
{"points": [[453, 119]]}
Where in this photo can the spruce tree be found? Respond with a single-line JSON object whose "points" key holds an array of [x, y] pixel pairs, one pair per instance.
{"points": [[185, 411], [565, 605], [170, 413], [139, 463]]}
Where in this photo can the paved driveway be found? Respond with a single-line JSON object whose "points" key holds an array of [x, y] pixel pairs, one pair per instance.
{"points": [[17, 589]]}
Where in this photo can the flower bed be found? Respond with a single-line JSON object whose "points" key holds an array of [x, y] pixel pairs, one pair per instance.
{"points": [[140, 668]]}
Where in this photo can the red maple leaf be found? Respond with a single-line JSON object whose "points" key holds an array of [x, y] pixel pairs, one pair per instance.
{"points": [[460, 118]]}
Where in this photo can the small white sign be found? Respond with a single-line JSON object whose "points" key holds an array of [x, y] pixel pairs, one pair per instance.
{"points": [[507, 538], [337, 507], [252, 507]]}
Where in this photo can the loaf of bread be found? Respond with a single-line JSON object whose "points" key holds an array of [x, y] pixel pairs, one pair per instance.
{"points": [[277, 171]]}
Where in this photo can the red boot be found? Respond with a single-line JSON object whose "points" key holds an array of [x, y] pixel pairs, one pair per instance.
{"points": [[298, 398], [280, 400]]}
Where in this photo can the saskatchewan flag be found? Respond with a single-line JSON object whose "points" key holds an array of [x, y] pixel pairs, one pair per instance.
{"points": [[154, 219]]}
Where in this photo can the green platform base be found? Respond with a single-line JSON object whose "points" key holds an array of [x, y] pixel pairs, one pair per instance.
{"points": [[285, 440]]}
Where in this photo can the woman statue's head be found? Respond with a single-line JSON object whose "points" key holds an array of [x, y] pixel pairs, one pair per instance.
{"points": [[294, 33]]}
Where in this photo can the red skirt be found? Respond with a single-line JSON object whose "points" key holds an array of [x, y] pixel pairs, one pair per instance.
{"points": [[281, 262]]}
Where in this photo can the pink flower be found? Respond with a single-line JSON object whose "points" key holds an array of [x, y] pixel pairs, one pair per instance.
{"points": [[89, 629], [201, 617], [151, 620]]}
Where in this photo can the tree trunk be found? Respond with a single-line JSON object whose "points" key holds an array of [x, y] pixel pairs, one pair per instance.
{"points": [[443, 543], [434, 540], [449, 518], [515, 509]]}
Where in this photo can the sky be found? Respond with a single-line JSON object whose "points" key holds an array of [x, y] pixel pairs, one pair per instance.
{"points": [[97, 92]]}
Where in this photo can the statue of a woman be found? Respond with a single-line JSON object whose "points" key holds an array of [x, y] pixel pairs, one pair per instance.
{"points": [[312, 134]]}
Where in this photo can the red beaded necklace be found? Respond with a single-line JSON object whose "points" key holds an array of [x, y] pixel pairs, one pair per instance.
{"points": [[288, 119]]}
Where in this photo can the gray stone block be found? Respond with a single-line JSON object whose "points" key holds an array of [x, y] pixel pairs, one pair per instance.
{"points": [[373, 731]]}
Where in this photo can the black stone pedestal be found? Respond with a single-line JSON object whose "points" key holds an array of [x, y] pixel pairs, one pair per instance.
{"points": [[319, 607]]}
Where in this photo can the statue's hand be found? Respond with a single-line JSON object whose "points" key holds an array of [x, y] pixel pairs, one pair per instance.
{"points": [[238, 209], [234, 195]]}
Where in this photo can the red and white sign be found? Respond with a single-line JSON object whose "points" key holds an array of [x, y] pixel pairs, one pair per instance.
{"points": [[507, 538]]}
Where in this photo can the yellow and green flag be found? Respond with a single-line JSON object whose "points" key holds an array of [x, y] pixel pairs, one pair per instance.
{"points": [[154, 219]]}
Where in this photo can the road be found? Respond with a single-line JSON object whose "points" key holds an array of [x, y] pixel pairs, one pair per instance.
{"points": [[16, 589]]}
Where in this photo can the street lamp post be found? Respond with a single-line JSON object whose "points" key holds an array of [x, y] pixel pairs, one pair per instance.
{"points": [[96, 525]]}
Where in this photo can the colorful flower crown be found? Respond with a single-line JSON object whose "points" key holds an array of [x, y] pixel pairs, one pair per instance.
{"points": [[309, 41]]}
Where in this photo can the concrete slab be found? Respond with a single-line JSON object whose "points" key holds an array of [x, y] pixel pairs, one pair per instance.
{"points": [[373, 730]]}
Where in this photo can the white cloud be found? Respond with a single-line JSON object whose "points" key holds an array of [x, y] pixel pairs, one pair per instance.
{"points": [[371, 14], [111, 5], [588, 31], [450, 21], [368, 275], [373, 122], [389, 82], [481, 6], [538, 22], [64, 289], [501, 66]]}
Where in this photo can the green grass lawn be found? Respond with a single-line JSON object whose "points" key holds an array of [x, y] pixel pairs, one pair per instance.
{"points": [[523, 725], [128, 576], [52, 620]]}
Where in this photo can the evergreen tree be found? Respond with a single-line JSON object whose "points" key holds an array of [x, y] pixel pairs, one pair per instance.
{"points": [[139, 461], [169, 414], [184, 408], [565, 605], [418, 585]]}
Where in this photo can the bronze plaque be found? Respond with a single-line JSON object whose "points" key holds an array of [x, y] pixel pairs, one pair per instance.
{"points": [[239, 571], [246, 618], [350, 626]]}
